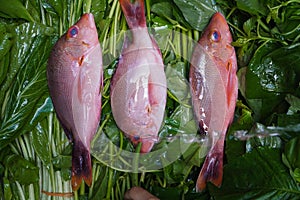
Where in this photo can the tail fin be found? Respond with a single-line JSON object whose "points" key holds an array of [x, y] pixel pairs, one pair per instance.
{"points": [[134, 13], [81, 165], [212, 169]]}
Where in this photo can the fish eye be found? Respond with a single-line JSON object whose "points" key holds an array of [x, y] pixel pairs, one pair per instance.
{"points": [[215, 36], [73, 31], [136, 137]]}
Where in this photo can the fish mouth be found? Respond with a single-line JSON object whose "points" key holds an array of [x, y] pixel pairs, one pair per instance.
{"points": [[89, 18], [219, 18]]}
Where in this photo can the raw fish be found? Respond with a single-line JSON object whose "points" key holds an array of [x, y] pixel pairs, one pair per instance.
{"points": [[214, 89], [138, 87], [74, 75]]}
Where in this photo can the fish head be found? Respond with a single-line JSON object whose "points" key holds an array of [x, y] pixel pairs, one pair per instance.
{"points": [[217, 88], [216, 39], [82, 36]]}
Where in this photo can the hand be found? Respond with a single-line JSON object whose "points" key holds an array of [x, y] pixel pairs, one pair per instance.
{"points": [[138, 193]]}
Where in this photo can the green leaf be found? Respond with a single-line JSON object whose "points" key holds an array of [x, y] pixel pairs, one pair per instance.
{"points": [[271, 74], [98, 8], [4, 63], [40, 144], [62, 161], [5, 39], [288, 19], [34, 9], [170, 12], [250, 25], [177, 83], [44, 109], [25, 86], [268, 141], [196, 13], [254, 7], [14, 9], [100, 186], [296, 174], [167, 193], [7, 189], [288, 119], [294, 104], [259, 174], [163, 9], [292, 152], [22, 170], [276, 70]]}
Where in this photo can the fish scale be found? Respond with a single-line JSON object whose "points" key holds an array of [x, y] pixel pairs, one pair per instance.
{"points": [[74, 74], [138, 88], [213, 75]]}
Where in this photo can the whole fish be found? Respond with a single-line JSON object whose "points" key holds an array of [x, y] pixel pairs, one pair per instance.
{"points": [[214, 89], [74, 75], [138, 87]]}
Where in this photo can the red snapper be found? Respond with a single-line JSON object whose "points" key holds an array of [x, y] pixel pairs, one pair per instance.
{"points": [[214, 89], [138, 88], [74, 74]]}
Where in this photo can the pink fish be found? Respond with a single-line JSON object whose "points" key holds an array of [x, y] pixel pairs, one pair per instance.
{"points": [[138, 87], [74, 75], [214, 89]]}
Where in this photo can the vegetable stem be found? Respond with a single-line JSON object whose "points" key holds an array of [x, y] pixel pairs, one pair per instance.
{"points": [[135, 165], [110, 183], [87, 6], [148, 10]]}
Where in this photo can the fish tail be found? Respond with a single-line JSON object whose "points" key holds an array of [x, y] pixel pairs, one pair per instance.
{"points": [[212, 169], [81, 165], [134, 13]]}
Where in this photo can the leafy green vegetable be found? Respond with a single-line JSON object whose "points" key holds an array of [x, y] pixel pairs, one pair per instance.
{"points": [[294, 102], [259, 174], [204, 10], [255, 7], [270, 76], [291, 157], [14, 9], [25, 83], [22, 170]]}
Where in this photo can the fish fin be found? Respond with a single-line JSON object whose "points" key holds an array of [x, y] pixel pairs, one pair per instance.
{"points": [[134, 13], [231, 84], [81, 165], [212, 169], [146, 146], [146, 143]]}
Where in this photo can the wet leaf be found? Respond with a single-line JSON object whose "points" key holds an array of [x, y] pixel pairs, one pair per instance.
{"points": [[204, 10], [25, 85], [167, 193], [14, 9], [259, 174], [277, 69], [22, 170], [261, 100], [54, 6], [292, 153], [98, 8], [294, 104], [100, 185], [41, 145], [254, 7]]}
